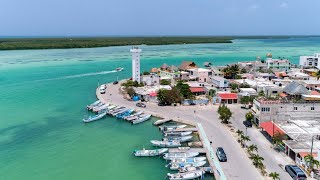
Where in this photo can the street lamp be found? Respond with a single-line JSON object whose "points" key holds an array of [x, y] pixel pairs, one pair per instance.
{"points": [[312, 143]]}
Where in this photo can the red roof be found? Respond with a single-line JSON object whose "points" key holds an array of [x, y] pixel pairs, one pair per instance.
{"points": [[303, 154], [153, 94], [197, 89], [228, 95], [278, 74], [283, 95], [270, 128], [314, 93]]}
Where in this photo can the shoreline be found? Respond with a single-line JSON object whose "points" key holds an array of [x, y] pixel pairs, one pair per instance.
{"points": [[214, 164]]}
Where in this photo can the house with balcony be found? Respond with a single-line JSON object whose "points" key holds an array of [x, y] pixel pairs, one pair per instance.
{"points": [[219, 82], [278, 64], [310, 61]]}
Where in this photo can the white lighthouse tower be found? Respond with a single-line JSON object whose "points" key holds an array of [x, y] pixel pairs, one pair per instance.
{"points": [[135, 51]]}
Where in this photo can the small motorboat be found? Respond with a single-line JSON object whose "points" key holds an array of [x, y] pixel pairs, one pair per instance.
{"points": [[184, 160], [177, 166], [170, 128], [100, 108], [94, 118], [89, 107], [165, 143], [183, 133], [155, 152], [170, 156], [178, 138], [133, 115], [141, 119], [186, 175], [119, 69]]}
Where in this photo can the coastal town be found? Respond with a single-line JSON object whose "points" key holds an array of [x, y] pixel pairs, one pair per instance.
{"points": [[263, 114]]}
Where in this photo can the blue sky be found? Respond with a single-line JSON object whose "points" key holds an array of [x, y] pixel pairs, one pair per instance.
{"points": [[158, 17]]}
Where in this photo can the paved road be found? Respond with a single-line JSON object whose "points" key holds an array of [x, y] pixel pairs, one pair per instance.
{"points": [[238, 167], [274, 161]]}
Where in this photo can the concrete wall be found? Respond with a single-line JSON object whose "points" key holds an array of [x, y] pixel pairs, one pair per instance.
{"points": [[189, 101]]}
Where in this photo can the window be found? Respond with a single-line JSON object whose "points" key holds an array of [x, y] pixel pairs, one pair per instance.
{"points": [[265, 109], [295, 108], [312, 108]]}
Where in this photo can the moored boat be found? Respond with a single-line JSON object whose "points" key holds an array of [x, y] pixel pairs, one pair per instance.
{"points": [[170, 128], [133, 115], [95, 117], [155, 152], [177, 166], [184, 160], [170, 156], [182, 133], [119, 112], [126, 113], [165, 143], [141, 119], [186, 175], [100, 108], [178, 138], [89, 107]]}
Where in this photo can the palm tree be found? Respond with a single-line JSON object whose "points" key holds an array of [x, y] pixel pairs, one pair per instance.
{"points": [[243, 139], [318, 75], [252, 148], [257, 160], [239, 132], [274, 175], [309, 159]]}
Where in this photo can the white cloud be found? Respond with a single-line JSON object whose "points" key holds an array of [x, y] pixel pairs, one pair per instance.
{"points": [[284, 5]]}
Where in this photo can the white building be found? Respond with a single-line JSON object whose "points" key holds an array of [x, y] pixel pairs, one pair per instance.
{"points": [[151, 80], [220, 82], [200, 74], [310, 61], [135, 51], [278, 64]]}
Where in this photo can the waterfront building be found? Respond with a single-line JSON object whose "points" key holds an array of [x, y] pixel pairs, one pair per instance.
{"points": [[151, 80], [219, 82], [135, 51], [278, 64], [310, 61], [228, 97], [185, 65], [200, 74], [268, 88]]}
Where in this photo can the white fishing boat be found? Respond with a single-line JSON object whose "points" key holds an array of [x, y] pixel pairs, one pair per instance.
{"points": [[94, 118], [190, 169], [111, 107], [186, 175], [165, 143], [141, 119], [117, 109], [170, 128], [119, 69], [177, 166], [182, 133], [155, 152], [119, 112], [178, 138], [133, 115], [89, 107], [185, 160], [170, 156], [100, 108]]}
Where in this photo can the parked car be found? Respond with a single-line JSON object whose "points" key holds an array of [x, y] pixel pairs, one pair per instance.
{"points": [[221, 154], [102, 89], [141, 105], [115, 82], [295, 172], [246, 106], [247, 123]]}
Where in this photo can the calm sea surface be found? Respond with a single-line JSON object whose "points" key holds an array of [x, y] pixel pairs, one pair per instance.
{"points": [[43, 94]]}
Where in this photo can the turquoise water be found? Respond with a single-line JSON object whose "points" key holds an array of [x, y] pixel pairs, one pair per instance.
{"points": [[43, 94]]}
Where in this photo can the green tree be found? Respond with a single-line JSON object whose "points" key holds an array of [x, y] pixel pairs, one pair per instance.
{"points": [[249, 116], [212, 92], [244, 139], [244, 85], [233, 86], [239, 132], [174, 96], [318, 75], [130, 91], [274, 175], [224, 113], [311, 161], [164, 82], [146, 73], [245, 100], [252, 148], [184, 90], [162, 96], [261, 93], [257, 160], [243, 70]]}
